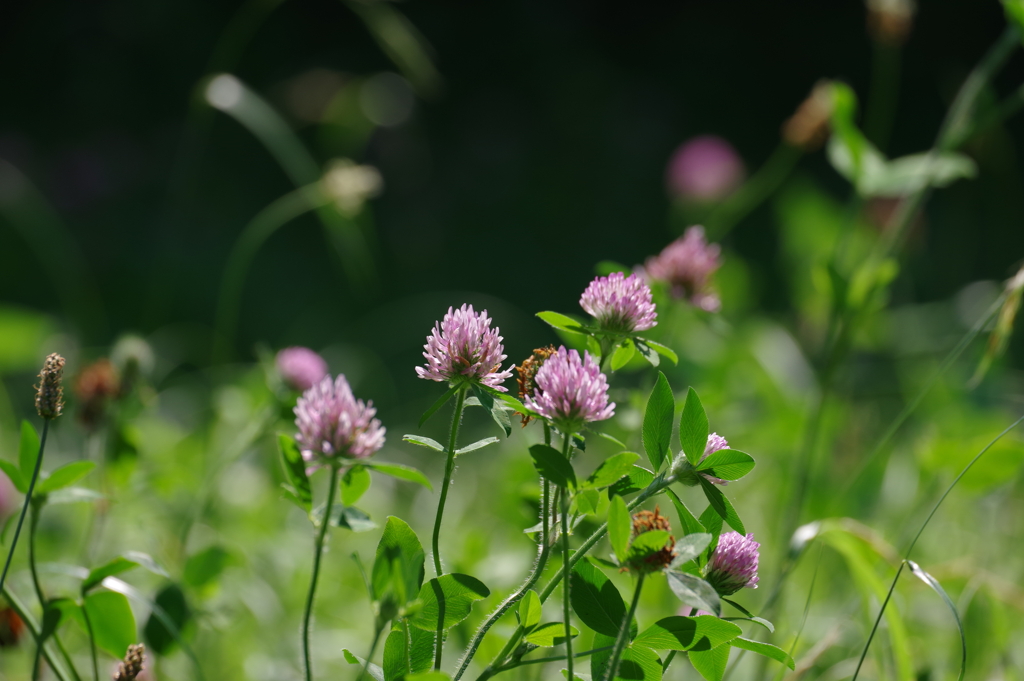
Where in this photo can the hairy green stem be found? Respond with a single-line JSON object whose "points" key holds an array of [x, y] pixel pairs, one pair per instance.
{"points": [[620, 640], [668, 660], [33, 524], [373, 649], [28, 500], [553, 658], [566, 607], [325, 521]]}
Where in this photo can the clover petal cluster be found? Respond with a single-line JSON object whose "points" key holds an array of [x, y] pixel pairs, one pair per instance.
{"points": [[300, 367], [462, 346], [686, 265], [620, 303], [570, 390], [333, 425], [733, 564], [715, 442]]}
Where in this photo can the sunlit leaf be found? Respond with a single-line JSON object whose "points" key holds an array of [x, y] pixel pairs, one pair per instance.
{"points": [[766, 649], [550, 634], [65, 476], [657, 426], [451, 595], [693, 428]]}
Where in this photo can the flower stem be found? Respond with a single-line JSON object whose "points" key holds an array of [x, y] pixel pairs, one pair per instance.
{"points": [[33, 523], [373, 649], [620, 640], [92, 643], [30, 624], [449, 468], [318, 552], [566, 609], [28, 500]]}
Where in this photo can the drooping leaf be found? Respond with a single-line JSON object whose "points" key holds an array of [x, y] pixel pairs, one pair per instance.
{"points": [[441, 401], [479, 444], [112, 621], [354, 484], [663, 350], [65, 476], [375, 672], [28, 450], [693, 428], [396, 658], [529, 610], [727, 464], [499, 412], [561, 322], [611, 438], [637, 479], [623, 353], [206, 566], [619, 528], [766, 649], [937, 588], [694, 592], [550, 463], [172, 603], [711, 664], [647, 352], [73, 495], [352, 518], [295, 473], [657, 427], [399, 471], [722, 507], [398, 568], [750, 616], [550, 634], [690, 546], [595, 600], [130, 560], [703, 632], [612, 469], [447, 600]]}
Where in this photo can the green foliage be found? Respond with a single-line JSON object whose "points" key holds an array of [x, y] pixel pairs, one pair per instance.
{"points": [[112, 622], [297, 489], [765, 649], [447, 600], [658, 419], [65, 476], [694, 592], [549, 635], [163, 628], [555, 468], [595, 600], [693, 428], [710, 663], [398, 569], [619, 528], [611, 470], [354, 484], [703, 632]]}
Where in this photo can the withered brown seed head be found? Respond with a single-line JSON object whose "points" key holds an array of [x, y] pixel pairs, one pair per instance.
{"points": [[528, 370], [97, 383], [808, 127], [50, 392], [132, 665], [647, 521]]}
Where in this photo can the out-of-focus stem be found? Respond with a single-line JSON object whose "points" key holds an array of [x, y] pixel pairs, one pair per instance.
{"points": [[28, 500], [754, 191], [318, 552], [620, 640], [566, 608], [885, 90]]}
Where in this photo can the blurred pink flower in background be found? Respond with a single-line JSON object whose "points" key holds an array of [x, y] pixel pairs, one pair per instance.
{"points": [[8, 503], [705, 168], [300, 367], [686, 265]]}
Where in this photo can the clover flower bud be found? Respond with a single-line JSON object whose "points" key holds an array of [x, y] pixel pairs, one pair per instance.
{"points": [[527, 373], [620, 303], [686, 265], [131, 667], [706, 168], [733, 564], [647, 521], [463, 346], [50, 391], [334, 426], [685, 472], [300, 367], [571, 390]]}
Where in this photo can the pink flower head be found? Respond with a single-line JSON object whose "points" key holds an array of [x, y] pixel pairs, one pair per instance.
{"points": [[8, 504], [686, 265], [301, 368], [463, 346], [620, 303], [335, 425], [733, 564], [706, 168], [570, 391], [715, 442]]}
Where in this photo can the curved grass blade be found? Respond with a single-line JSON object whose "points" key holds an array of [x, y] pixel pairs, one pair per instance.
{"points": [[937, 588]]}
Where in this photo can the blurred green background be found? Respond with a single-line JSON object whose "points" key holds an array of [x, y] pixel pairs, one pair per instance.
{"points": [[519, 144]]}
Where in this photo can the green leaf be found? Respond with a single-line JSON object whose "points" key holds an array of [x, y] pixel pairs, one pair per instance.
{"points": [[398, 568], [295, 472], [112, 621], [73, 495], [937, 588], [448, 600], [662, 350], [712, 522], [749, 616], [611, 438], [595, 600], [703, 632], [561, 322], [65, 476], [689, 523], [159, 638], [693, 428], [529, 610], [647, 543], [694, 592], [637, 479], [441, 401], [612, 469], [28, 450], [619, 528], [722, 507], [690, 546], [550, 463], [15, 476], [205, 567], [400, 471], [396, 658], [623, 353], [58, 610], [657, 428], [550, 634], [422, 441], [375, 672], [727, 464], [1015, 14], [352, 518], [479, 444], [648, 353], [130, 560], [354, 484], [637, 663], [499, 412], [431, 675], [711, 664], [588, 501], [766, 649]]}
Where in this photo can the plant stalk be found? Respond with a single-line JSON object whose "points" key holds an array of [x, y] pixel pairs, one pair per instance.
{"points": [[28, 500], [318, 552], [566, 607], [620, 640]]}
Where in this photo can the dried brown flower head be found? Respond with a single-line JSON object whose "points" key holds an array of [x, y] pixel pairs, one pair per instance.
{"points": [[808, 127], [97, 384], [527, 371], [648, 521], [890, 21], [132, 665], [50, 392]]}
